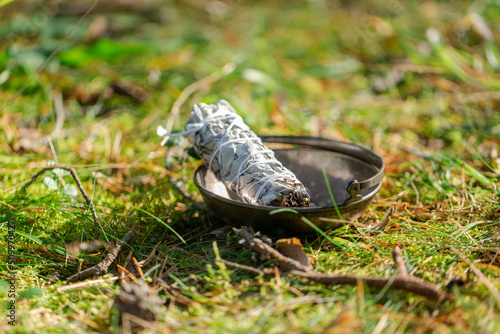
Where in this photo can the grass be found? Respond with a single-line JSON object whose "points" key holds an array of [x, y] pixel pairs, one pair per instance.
{"points": [[415, 82]]}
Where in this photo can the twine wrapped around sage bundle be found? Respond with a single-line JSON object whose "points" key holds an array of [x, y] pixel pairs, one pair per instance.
{"points": [[237, 156]]}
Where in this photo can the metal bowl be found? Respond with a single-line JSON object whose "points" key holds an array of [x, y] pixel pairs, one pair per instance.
{"points": [[354, 173]]}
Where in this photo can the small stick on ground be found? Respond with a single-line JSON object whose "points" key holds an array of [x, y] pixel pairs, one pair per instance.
{"points": [[138, 267], [123, 271], [402, 280], [102, 267], [399, 263], [252, 270], [87, 198], [381, 226], [86, 283], [269, 253]]}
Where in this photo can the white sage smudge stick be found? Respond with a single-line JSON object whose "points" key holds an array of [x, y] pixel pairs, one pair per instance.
{"points": [[238, 157]]}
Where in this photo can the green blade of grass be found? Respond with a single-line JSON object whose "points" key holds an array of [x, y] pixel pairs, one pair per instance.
{"points": [[5, 2], [26, 235], [331, 195], [311, 224], [162, 222]]}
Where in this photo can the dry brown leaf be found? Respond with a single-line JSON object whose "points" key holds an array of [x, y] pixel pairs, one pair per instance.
{"points": [[30, 140], [292, 248]]}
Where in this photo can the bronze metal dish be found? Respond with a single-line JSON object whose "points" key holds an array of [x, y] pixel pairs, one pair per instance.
{"points": [[355, 176]]}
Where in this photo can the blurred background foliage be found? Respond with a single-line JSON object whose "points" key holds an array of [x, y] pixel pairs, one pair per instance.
{"points": [[307, 67]]}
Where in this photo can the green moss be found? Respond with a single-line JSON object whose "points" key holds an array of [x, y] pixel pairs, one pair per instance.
{"points": [[301, 69]]}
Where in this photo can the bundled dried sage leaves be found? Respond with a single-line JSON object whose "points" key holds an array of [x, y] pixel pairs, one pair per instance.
{"points": [[238, 157]]}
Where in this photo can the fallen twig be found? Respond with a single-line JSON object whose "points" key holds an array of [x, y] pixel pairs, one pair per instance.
{"points": [[102, 267], [399, 262], [381, 226], [124, 271], [267, 252], [242, 266], [410, 283], [86, 283], [401, 281], [87, 198]]}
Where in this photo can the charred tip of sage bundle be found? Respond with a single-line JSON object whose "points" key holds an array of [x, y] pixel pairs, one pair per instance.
{"points": [[239, 158]]}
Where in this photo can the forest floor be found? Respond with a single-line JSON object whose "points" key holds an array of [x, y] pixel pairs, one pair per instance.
{"points": [[85, 84]]}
